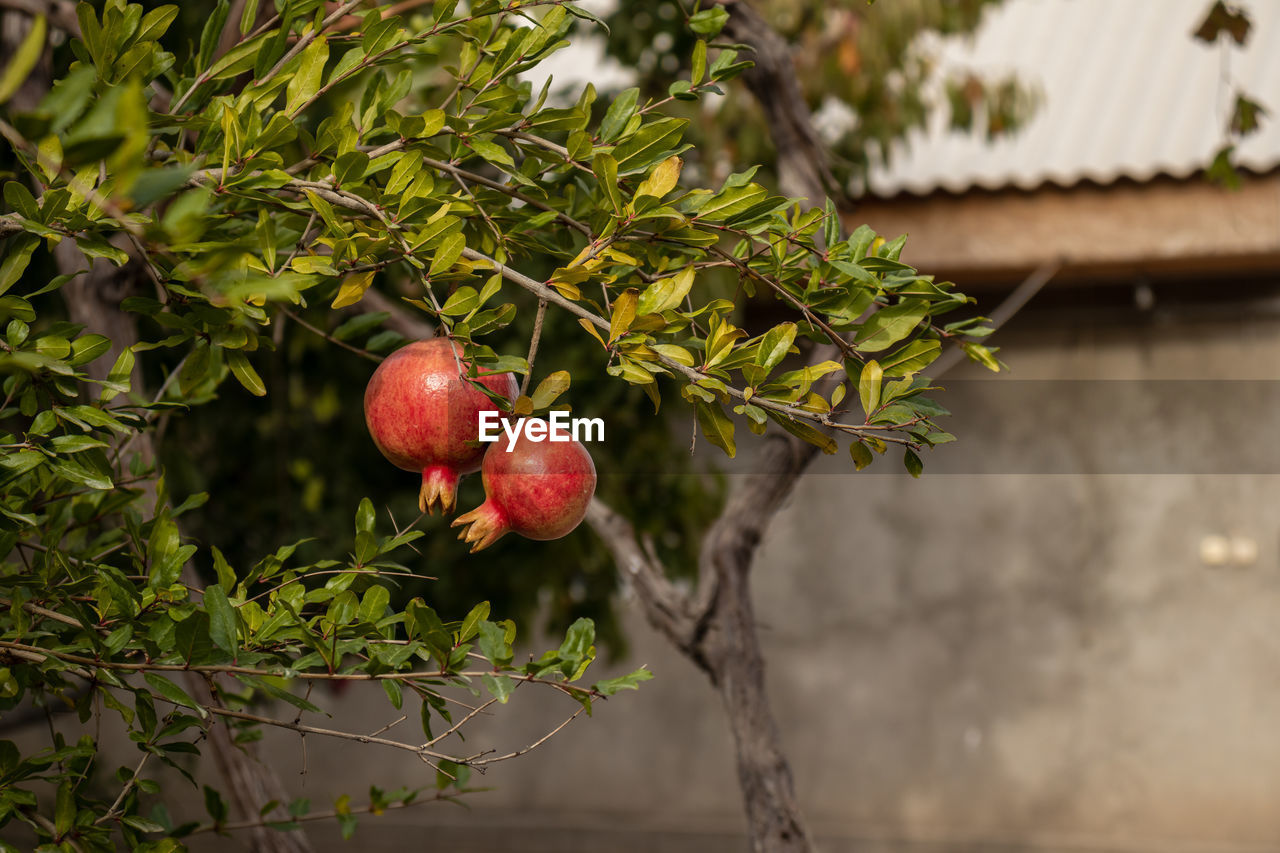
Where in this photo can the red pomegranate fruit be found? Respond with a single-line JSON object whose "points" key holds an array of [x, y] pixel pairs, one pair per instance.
{"points": [[539, 489], [424, 416]]}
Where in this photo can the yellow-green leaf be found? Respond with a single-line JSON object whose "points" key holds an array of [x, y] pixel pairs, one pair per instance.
{"points": [[680, 355], [244, 372], [624, 313], [869, 386], [307, 79], [353, 289], [326, 212], [666, 294], [662, 179], [595, 333], [717, 427], [550, 388], [24, 59], [861, 455]]}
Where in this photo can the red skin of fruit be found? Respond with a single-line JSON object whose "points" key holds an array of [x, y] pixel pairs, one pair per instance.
{"points": [[540, 490], [425, 417]]}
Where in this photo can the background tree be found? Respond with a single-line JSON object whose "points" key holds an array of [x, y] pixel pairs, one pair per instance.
{"points": [[299, 157]]}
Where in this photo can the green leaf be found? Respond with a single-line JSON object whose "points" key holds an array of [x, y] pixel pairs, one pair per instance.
{"points": [[889, 325], [911, 359], [806, 431], [223, 630], [662, 179], [492, 152], [649, 144], [86, 348], [716, 426], [493, 643], [173, 692], [238, 59], [578, 639], [462, 301], [775, 345], [77, 473], [248, 16], [194, 369], [698, 64], [226, 575], [350, 167], [393, 691], [471, 625], [24, 59], [912, 462], [327, 213], [244, 372], [630, 681], [709, 22], [499, 686], [309, 76], [605, 168], [447, 254], [861, 455], [64, 809], [374, 604], [210, 35], [142, 824], [215, 805], [16, 259], [365, 516], [620, 111], [75, 443]]}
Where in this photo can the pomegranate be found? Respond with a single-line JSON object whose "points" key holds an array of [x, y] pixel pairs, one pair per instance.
{"points": [[424, 416], [539, 489]]}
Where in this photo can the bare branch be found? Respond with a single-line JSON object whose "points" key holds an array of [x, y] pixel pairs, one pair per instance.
{"points": [[666, 607]]}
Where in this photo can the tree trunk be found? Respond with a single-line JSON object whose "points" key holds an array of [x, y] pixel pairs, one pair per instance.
{"points": [[768, 791], [736, 663]]}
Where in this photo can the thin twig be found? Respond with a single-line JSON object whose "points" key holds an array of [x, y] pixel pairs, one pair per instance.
{"points": [[533, 345], [330, 338]]}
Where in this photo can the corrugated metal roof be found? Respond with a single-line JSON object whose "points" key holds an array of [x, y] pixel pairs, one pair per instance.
{"points": [[1127, 93]]}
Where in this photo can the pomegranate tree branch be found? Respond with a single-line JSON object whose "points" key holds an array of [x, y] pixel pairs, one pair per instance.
{"points": [[533, 345], [668, 609], [434, 797]]}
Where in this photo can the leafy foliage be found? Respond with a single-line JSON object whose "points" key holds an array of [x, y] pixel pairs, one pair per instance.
{"points": [[866, 64], [316, 158]]}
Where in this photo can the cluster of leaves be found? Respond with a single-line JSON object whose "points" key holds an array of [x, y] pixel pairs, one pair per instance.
{"points": [[866, 58], [317, 157], [1230, 23]]}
